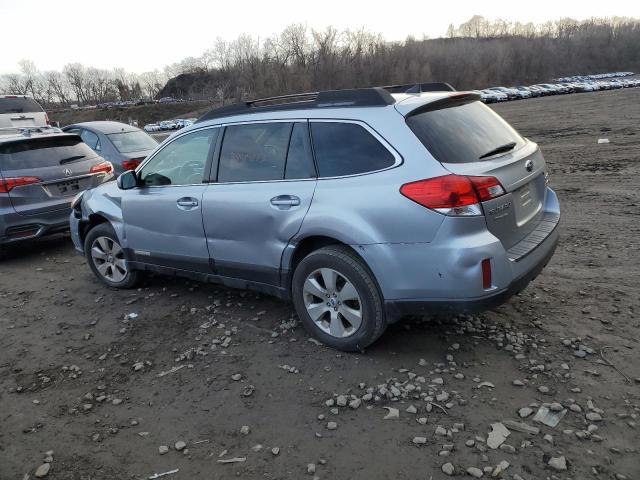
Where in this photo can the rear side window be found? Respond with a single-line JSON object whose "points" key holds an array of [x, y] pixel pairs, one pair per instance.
{"points": [[347, 149], [43, 152], [462, 133], [254, 152], [19, 105]]}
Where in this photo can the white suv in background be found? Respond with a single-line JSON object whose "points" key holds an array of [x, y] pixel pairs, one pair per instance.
{"points": [[21, 111]]}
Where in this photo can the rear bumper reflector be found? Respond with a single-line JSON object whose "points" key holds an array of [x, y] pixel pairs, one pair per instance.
{"points": [[486, 273]]}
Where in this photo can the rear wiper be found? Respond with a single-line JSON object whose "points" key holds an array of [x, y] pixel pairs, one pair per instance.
{"points": [[71, 159], [501, 149]]}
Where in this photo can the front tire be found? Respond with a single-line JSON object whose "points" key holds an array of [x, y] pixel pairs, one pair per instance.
{"points": [[337, 299], [106, 258]]}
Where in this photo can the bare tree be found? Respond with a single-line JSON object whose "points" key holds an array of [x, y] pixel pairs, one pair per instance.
{"points": [[475, 54]]}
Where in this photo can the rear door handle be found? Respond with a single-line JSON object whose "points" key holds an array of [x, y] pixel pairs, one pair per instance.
{"points": [[285, 201], [187, 203]]}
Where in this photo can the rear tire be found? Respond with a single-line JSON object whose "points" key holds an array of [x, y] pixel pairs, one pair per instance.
{"points": [[106, 259], [337, 299]]}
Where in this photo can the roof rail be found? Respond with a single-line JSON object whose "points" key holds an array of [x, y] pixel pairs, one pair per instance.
{"points": [[420, 87], [357, 97]]}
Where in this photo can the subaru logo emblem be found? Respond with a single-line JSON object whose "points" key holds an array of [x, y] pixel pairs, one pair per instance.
{"points": [[67, 172], [529, 165]]}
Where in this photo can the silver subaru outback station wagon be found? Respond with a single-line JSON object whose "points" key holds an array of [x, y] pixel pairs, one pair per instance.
{"points": [[361, 206]]}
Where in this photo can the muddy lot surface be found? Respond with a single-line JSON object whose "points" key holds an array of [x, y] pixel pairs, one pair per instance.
{"points": [[105, 379]]}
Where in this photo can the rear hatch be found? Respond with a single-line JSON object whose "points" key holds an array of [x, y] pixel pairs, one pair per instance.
{"points": [[21, 111], [45, 173], [468, 138]]}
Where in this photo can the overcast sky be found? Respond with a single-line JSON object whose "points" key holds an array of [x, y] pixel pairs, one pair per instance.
{"points": [[141, 35]]}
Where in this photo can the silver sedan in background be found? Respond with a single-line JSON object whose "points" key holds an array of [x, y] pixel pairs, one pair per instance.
{"points": [[123, 145]]}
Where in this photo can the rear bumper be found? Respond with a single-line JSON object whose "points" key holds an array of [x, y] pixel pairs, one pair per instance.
{"points": [[446, 274], [15, 227], [398, 308]]}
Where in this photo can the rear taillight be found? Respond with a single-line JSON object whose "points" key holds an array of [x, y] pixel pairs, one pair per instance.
{"points": [[487, 187], [9, 184], [132, 163], [104, 167], [46, 118], [453, 194]]}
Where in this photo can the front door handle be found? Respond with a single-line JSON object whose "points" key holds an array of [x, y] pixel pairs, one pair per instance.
{"points": [[285, 201], [187, 203]]}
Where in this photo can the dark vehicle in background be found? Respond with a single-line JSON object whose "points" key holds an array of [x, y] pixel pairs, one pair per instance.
{"points": [[41, 170], [123, 145], [21, 111]]}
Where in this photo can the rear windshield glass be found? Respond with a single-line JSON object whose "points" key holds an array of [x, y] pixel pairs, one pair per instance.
{"points": [[463, 133], [43, 152], [128, 142], [19, 105]]}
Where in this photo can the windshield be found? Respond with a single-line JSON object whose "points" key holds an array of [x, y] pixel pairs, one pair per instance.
{"points": [[43, 152], [19, 105], [136, 141], [463, 133]]}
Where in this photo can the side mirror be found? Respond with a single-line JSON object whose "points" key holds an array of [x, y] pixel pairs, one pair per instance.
{"points": [[127, 180]]}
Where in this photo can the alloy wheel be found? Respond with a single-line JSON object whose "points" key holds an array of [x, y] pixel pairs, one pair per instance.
{"points": [[332, 302], [108, 258]]}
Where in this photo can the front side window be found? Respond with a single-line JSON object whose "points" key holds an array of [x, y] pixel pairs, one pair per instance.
{"points": [[181, 162], [347, 149], [254, 152]]}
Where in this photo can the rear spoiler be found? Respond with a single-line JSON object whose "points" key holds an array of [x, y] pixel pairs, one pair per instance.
{"points": [[446, 102]]}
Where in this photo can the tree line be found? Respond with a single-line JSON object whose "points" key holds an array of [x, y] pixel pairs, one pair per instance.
{"points": [[476, 54], [78, 84]]}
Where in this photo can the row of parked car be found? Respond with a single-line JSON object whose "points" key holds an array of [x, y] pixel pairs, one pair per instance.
{"points": [[121, 104], [597, 76], [578, 85], [165, 125]]}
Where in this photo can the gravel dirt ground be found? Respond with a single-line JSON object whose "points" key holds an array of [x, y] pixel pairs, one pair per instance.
{"points": [[106, 378]]}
